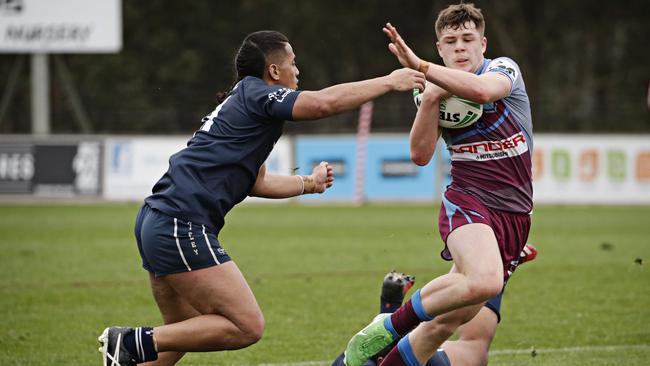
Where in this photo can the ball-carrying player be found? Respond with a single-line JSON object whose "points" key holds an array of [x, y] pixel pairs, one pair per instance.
{"points": [[485, 215]]}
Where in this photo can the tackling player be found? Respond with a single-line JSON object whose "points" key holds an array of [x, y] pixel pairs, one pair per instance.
{"points": [[474, 337], [204, 300], [485, 215]]}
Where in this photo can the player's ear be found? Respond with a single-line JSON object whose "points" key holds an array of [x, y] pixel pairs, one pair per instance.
{"points": [[438, 48], [274, 72], [484, 44]]}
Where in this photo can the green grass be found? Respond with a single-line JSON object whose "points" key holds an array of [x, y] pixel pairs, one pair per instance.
{"points": [[67, 271]]}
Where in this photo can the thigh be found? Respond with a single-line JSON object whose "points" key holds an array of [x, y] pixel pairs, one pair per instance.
{"points": [[173, 307], [475, 251], [219, 290]]}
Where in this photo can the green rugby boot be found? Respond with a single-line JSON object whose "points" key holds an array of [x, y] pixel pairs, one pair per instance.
{"points": [[368, 342]]}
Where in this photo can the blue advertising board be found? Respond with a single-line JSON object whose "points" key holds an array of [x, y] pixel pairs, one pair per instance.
{"points": [[388, 175]]}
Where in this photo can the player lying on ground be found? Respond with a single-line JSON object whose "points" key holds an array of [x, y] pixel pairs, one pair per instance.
{"points": [[474, 337], [205, 302]]}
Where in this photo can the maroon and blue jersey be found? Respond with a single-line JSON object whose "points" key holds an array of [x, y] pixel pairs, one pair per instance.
{"points": [[219, 166], [491, 159]]}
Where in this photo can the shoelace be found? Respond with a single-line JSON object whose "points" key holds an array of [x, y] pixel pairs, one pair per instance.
{"points": [[115, 358]]}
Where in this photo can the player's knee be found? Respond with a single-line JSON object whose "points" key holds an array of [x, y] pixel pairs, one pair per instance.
{"points": [[442, 328], [252, 330], [484, 289]]}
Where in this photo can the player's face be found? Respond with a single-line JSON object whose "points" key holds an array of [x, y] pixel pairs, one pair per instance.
{"points": [[287, 69], [462, 48]]}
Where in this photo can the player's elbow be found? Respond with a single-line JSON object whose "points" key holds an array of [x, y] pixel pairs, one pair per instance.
{"points": [[325, 107], [419, 158], [480, 94]]}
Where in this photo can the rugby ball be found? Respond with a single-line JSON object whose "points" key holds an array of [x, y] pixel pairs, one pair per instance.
{"points": [[455, 112]]}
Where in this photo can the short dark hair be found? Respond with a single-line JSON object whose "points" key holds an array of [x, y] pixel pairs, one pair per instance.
{"points": [[253, 54], [456, 16]]}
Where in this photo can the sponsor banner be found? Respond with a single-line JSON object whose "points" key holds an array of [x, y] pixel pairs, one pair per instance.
{"points": [[16, 168], [70, 26], [52, 170], [389, 174], [340, 152], [133, 165], [603, 169]]}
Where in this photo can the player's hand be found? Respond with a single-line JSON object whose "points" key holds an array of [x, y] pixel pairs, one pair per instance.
{"points": [[400, 49], [434, 93], [323, 177], [407, 79]]}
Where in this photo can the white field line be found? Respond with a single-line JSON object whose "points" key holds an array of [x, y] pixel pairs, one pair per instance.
{"points": [[501, 352]]}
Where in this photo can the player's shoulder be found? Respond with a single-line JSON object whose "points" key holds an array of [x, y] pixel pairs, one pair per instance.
{"points": [[504, 65], [256, 87]]}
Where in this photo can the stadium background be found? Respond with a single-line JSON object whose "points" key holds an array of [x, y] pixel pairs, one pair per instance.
{"points": [[67, 197]]}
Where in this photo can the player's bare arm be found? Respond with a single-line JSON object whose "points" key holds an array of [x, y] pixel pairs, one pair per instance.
{"points": [[425, 130], [283, 186], [483, 88], [344, 97]]}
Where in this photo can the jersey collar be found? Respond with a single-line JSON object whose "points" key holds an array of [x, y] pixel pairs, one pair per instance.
{"points": [[480, 70]]}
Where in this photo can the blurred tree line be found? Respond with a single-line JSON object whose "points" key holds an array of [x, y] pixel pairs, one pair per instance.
{"points": [[586, 64]]}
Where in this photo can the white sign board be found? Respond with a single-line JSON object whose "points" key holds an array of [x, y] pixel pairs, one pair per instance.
{"points": [[132, 165], [587, 169], [60, 26]]}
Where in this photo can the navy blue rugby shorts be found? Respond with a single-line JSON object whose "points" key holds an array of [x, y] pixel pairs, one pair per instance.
{"points": [[169, 245]]}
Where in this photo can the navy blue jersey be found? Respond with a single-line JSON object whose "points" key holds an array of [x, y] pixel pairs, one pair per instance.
{"points": [[219, 166]]}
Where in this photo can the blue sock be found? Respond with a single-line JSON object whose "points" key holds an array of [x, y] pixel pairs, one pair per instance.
{"points": [[416, 300], [405, 350], [140, 344]]}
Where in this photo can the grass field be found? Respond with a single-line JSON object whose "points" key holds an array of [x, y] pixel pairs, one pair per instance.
{"points": [[67, 271]]}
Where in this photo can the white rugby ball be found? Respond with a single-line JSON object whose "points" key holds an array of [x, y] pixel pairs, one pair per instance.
{"points": [[455, 112]]}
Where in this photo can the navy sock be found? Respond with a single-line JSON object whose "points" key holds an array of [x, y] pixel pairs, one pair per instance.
{"points": [[439, 358], [140, 344]]}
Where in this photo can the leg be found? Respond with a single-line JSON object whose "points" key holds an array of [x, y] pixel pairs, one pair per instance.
{"points": [[478, 273], [428, 336], [230, 316], [477, 276], [173, 309], [474, 339]]}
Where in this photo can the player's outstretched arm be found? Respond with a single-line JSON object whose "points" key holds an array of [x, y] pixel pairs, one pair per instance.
{"points": [[344, 97], [285, 186], [484, 88]]}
